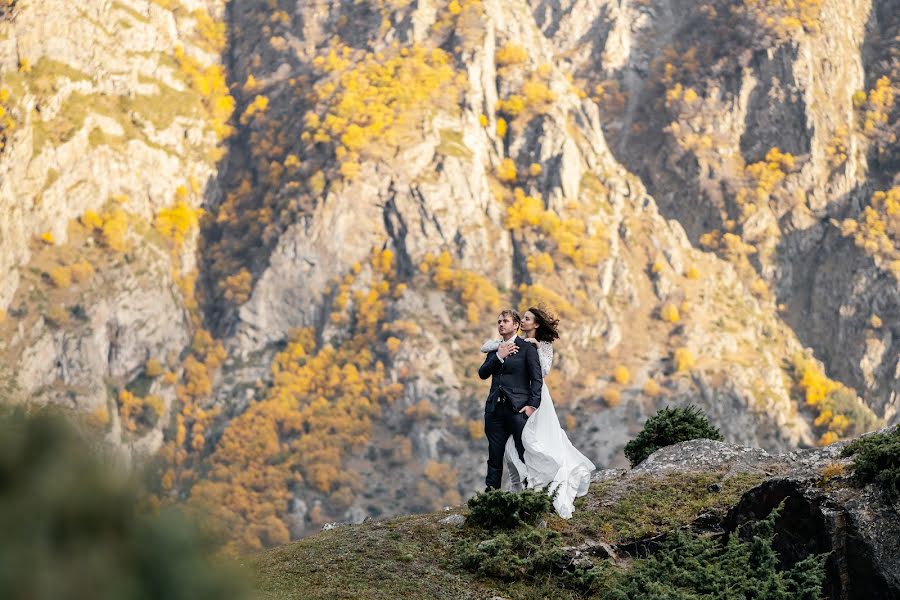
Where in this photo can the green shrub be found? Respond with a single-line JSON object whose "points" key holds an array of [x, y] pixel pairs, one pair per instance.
{"points": [[497, 509], [876, 459], [689, 568], [670, 426], [71, 529], [513, 555], [527, 554]]}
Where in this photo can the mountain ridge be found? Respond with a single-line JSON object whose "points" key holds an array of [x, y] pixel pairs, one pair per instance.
{"points": [[328, 189]]}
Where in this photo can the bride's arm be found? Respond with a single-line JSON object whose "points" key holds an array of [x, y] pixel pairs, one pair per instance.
{"points": [[545, 354], [490, 346]]}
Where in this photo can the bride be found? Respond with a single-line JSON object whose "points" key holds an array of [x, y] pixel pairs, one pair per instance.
{"points": [[550, 458]]}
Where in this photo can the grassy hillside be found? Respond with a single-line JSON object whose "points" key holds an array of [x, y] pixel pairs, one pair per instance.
{"points": [[417, 556]]}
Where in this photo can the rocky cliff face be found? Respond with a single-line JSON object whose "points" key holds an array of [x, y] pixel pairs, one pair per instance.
{"points": [[112, 122], [399, 171]]}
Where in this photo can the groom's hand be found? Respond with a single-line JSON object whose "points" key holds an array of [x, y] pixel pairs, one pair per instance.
{"points": [[528, 410], [506, 348]]}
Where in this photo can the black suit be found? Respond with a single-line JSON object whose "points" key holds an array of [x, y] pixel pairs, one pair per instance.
{"points": [[516, 382]]}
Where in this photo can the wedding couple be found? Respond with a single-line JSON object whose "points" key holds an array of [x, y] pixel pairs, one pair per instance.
{"points": [[519, 418]]}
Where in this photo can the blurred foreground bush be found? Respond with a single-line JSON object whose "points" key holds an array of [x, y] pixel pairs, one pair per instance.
{"points": [[71, 526]]}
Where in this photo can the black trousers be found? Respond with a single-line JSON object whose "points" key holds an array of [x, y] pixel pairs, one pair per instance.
{"points": [[498, 426]]}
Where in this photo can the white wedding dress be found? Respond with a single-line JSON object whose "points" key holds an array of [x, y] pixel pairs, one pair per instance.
{"points": [[550, 458]]}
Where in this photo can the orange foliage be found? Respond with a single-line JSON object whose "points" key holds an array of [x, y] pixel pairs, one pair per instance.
{"points": [[475, 291], [319, 408]]}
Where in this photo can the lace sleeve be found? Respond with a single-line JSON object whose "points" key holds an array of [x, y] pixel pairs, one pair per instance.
{"points": [[545, 354], [490, 346]]}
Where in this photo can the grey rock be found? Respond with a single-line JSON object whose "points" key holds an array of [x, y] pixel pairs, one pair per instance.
{"points": [[453, 520]]}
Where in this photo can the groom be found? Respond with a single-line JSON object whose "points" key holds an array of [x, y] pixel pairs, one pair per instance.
{"points": [[515, 393]]}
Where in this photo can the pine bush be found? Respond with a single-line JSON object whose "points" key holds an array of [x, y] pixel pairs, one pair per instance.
{"points": [[689, 568], [876, 459], [670, 426], [497, 509]]}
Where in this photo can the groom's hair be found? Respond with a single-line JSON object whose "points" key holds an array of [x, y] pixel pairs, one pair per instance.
{"points": [[511, 313]]}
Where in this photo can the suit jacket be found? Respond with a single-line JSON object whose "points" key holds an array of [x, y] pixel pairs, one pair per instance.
{"points": [[518, 377]]}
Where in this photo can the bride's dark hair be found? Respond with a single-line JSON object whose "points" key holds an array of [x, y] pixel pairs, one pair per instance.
{"points": [[548, 325]]}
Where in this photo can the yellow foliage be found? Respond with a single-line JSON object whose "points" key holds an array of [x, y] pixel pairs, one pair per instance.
{"points": [[372, 103], [501, 127], [652, 388], [875, 321], [211, 84], [91, 220], [876, 232], [7, 123], [759, 288], [237, 287], [540, 263], [669, 313], [393, 344], [612, 397], [115, 230], [829, 437], [684, 359], [153, 368], [510, 54], [692, 273], [538, 95], [100, 416], [512, 106], [622, 375], [878, 106], [571, 239], [259, 105], [767, 174], [61, 277], [837, 149], [82, 271], [786, 18], [177, 221], [47, 238], [535, 169], [319, 409], [506, 172], [211, 32], [475, 291], [832, 471], [135, 411]]}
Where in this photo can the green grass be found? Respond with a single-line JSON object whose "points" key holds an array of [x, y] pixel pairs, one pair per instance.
{"points": [[648, 506], [162, 109], [43, 77], [452, 144], [408, 557], [413, 557]]}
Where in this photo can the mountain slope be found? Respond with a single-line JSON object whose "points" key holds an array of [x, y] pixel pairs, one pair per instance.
{"points": [[699, 208]]}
